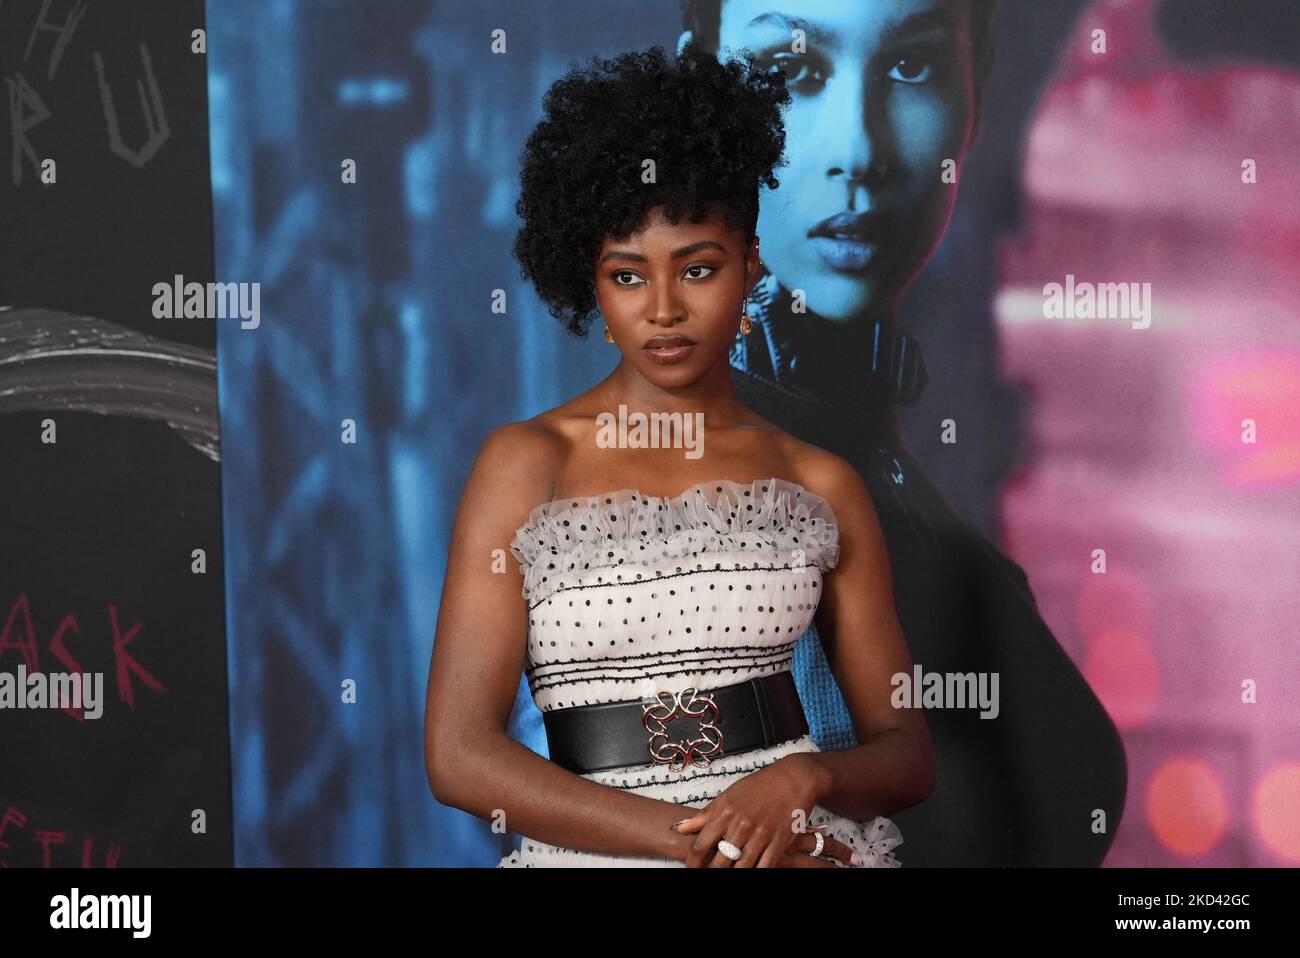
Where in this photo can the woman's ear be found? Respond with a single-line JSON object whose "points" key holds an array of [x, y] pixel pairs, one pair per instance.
{"points": [[753, 263]]}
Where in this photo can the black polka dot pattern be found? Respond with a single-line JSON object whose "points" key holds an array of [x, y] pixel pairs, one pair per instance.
{"points": [[628, 531], [629, 594], [710, 595]]}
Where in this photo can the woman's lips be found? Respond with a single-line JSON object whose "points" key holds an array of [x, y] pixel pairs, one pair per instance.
{"points": [[668, 349], [844, 252], [674, 353], [850, 240]]}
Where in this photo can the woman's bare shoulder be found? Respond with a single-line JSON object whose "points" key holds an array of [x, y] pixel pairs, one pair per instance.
{"points": [[803, 458], [515, 468], [829, 475], [522, 461], [816, 469]]}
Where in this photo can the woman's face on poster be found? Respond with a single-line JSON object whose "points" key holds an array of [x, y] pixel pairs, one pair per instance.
{"points": [[881, 96]]}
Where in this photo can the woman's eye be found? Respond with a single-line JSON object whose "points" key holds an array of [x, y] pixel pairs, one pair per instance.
{"points": [[911, 70], [797, 69], [627, 278]]}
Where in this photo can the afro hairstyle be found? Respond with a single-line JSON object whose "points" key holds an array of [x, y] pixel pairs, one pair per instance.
{"points": [[713, 129]]}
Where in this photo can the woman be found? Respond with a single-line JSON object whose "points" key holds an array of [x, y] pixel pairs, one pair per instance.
{"points": [[665, 587], [885, 98]]}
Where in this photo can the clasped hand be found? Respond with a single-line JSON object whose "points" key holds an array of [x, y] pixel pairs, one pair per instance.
{"points": [[757, 814]]}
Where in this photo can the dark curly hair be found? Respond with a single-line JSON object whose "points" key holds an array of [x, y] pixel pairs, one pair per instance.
{"points": [[714, 131]]}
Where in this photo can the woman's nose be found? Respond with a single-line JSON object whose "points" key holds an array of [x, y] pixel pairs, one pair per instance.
{"points": [[853, 129], [667, 306]]}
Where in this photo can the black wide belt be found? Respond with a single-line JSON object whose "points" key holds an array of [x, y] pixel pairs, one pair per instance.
{"points": [[677, 728]]}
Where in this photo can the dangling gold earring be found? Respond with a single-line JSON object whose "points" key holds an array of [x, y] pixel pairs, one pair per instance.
{"points": [[608, 337], [745, 325]]}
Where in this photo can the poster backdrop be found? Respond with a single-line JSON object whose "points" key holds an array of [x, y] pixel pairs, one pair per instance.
{"points": [[351, 414], [111, 560]]}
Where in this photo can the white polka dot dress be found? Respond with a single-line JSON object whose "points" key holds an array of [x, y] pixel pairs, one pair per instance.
{"points": [[629, 594]]}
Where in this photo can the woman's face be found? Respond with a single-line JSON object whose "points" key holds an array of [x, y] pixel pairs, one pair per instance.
{"points": [[881, 96], [669, 284]]}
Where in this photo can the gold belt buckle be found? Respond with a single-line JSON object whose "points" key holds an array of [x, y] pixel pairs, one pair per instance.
{"points": [[676, 755]]}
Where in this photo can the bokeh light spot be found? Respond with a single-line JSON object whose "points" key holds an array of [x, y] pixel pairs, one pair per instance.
{"points": [[1276, 810], [1187, 806]]}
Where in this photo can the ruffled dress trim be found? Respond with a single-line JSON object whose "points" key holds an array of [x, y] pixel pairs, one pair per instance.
{"points": [[626, 530]]}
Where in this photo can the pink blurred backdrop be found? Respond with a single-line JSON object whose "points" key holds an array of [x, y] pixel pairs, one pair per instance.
{"points": [[1133, 173]]}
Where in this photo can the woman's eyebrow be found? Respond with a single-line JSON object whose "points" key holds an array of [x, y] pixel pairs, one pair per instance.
{"points": [[676, 254], [937, 17], [788, 23]]}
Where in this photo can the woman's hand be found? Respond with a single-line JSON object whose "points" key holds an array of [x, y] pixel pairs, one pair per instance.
{"points": [[798, 854], [757, 815]]}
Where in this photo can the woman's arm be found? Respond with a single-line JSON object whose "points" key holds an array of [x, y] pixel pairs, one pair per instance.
{"points": [[893, 768], [478, 656]]}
